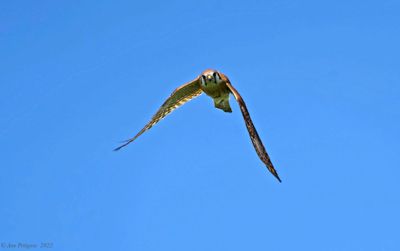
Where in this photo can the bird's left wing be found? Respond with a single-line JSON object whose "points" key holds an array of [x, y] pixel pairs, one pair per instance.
{"points": [[255, 139], [180, 96]]}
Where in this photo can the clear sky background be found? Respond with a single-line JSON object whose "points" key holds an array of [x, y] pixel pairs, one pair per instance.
{"points": [[321, 80]]}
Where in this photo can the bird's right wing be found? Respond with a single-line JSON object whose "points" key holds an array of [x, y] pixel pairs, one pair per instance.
{"points": [[255, 139], [181, 95]]}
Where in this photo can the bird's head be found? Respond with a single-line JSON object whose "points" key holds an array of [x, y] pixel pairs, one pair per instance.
{"points": [[210, 77]]}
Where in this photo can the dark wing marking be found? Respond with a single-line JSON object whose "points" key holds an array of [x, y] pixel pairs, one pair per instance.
{"points": [[257, 143], [180, 96]]}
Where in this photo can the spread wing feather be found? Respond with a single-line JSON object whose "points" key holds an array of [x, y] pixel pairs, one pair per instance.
{"points": [[181, 95], [255, 139]]}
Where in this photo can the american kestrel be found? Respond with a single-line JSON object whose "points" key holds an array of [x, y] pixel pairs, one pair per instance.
{"points": [[216, 85]]}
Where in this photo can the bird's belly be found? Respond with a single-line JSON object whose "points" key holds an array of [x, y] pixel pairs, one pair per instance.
{"points": [[214, 90]]}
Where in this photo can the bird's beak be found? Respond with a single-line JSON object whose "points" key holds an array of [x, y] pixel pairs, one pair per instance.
{"points": [[209, 77]]}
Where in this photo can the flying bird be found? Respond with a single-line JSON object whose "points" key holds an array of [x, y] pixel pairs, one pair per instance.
{"points": [[216, 85]]}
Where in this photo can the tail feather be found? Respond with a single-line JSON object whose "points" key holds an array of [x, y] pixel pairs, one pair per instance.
{"points": [[223, 104]]}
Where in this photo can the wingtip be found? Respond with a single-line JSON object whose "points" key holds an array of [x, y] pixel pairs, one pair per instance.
{"points": [[274, 173], [127, 142], [276, 176], [118, 148]]}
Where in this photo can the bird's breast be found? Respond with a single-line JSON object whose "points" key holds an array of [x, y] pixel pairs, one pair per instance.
{"points": [[214, 90]]}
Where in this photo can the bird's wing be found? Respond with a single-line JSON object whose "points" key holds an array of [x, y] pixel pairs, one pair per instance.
{"points": [[181, 95], [257, 143]]}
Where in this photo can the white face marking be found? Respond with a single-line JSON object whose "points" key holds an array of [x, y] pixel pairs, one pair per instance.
{"points": [[217, 77], [203, 80]]}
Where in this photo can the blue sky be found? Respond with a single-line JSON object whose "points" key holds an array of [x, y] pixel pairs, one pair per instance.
{"points": [[321, 81]]}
